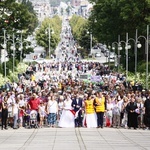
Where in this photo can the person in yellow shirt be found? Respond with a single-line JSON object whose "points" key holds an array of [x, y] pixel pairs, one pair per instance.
{"points": [[32, 77], [100, 108], [90, 115]]}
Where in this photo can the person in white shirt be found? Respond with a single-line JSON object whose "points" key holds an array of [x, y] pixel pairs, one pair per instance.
{"points": [[52, 110], [120, 103], [11, 101], [116, 114], [22, 102], [42, 113], [15, 114], [60, 106], [109, 112]]}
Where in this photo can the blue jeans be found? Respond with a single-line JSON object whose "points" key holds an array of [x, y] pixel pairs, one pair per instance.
{"points": [[51, 118], [15, 120]]}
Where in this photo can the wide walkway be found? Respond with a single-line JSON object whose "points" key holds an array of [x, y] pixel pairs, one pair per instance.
{"points": [[74, 139]]}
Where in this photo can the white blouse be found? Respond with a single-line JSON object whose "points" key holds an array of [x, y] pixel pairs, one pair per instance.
{"points": [[52, 106]]}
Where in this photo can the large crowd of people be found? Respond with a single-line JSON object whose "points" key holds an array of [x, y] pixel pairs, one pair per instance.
{"points": [[72, 93], [59, 97]]}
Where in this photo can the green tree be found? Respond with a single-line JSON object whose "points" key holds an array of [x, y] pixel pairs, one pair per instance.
{"points": [[16, 17], [42, 35], [80, 27], [110, 18]]}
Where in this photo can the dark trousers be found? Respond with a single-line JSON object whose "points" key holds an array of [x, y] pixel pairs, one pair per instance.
{"points": [[132, 120], [100, 118], [4, 118], [78, 121]]}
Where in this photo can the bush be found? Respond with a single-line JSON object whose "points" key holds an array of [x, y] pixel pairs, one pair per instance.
{"points": [[3, 80], [21, 68]]}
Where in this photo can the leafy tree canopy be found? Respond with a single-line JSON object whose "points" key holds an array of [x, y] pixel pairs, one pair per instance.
{"points": [[55, 3], [111, 18], [42, 35], [18, 16]]}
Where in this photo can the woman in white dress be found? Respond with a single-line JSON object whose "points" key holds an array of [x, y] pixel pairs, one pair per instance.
{"points": [[67, 117], [109, 113], [60, 106]]}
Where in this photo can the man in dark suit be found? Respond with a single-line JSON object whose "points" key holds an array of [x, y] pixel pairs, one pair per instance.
{"points": [[77, 106]]}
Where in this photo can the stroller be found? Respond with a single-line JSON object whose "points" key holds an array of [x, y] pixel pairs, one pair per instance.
{"points": [[33, 119]]}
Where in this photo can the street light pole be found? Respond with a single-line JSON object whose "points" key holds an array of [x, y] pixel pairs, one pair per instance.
{"points": [[109, 56], [146, 53], [21, 48], [147, 44], [91, 40], [118, 62], [126, 48], [135, 52], [49, 39], [5, 53], [13, 52], [136, 45], [49, 33], [113, 47]]}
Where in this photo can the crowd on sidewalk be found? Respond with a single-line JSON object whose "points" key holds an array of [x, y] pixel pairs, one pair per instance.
{"points": [[54, 95]]}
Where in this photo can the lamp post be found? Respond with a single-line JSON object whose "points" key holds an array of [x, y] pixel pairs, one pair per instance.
{"points": [[21, 46], [109, 56], [91, 41], [119, 49], [5, 47], [13, 48], [146, 51], [137, 45], [13, 52], [49, 39], [127, 47], [5, 54]]}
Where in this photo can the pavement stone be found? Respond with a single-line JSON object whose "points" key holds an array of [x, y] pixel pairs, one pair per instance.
{"points": [[74, 139]]}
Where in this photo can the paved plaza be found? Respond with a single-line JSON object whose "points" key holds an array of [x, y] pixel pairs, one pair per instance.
{"points": [[74, 139]]}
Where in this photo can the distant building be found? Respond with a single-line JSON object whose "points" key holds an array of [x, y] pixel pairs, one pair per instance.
{"points": [[75, 3], [85, 8], [41, 7]]}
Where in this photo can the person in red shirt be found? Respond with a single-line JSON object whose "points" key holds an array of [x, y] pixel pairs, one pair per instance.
{"points": [[34, 102]]}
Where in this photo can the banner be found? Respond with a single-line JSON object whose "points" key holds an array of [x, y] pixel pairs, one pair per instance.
{"points": [[95, 79]]}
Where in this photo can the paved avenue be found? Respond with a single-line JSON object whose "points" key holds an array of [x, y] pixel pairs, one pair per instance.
{"points": [[74, 139]]}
